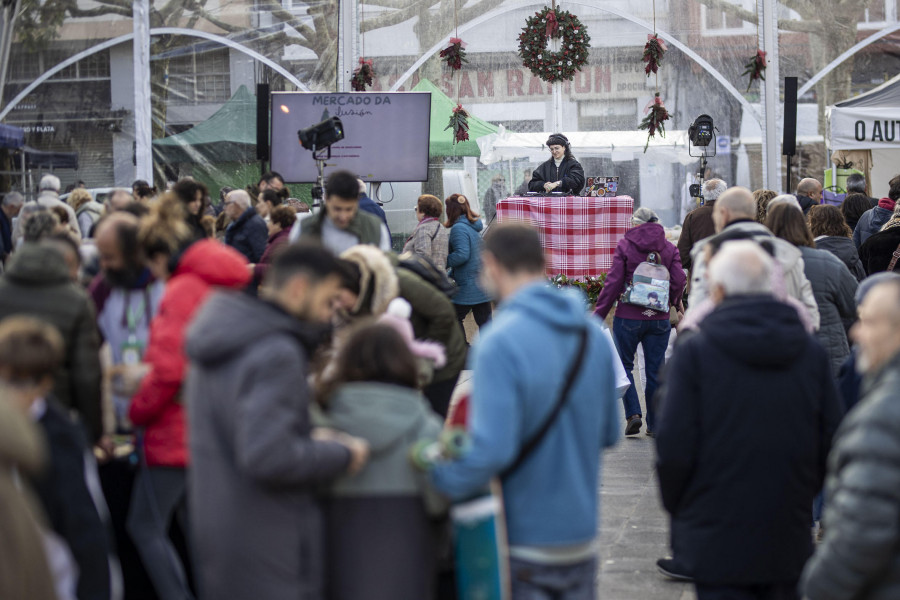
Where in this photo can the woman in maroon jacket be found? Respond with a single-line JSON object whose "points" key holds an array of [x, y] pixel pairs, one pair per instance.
{"points": [[642, 325], [281, 219], [191, 269]]}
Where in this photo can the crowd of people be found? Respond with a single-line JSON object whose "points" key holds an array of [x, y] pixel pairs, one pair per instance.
{"points": [[269, 376]]}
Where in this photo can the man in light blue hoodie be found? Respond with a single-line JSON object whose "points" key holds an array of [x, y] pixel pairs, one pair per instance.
{"points": [[520, 365]]}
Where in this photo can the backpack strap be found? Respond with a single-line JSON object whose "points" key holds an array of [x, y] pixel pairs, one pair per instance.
{"points": [[532, 444], [896, 256]]}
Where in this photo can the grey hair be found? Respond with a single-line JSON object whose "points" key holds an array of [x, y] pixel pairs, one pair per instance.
{"points": [[13, 199], [50, 182], [39, 226], [783, 199], [856, 183], [713, 188], [239, 197], [741, 267]]}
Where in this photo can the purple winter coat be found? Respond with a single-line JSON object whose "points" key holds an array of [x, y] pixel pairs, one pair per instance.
{"points": [[631, 251]]}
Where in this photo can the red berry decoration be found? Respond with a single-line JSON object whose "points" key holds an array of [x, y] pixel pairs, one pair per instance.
{"points": [[655, 120], [459, 122], [654, 50], [455, 54], [363, 76], [756, 68]]}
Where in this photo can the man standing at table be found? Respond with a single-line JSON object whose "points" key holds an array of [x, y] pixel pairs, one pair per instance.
{"points": [[561, 173]]}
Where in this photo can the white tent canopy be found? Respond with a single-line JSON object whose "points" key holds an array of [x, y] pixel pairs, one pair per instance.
{"points": [[867, 122], [619, 145]]}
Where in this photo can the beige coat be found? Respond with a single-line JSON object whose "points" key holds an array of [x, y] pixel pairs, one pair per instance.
{"points": [[24, 574]]}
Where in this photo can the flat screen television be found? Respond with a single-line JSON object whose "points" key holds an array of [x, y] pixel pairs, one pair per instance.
{"points": [[385, 134]]}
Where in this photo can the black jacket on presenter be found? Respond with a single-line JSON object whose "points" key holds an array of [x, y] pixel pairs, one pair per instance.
{"points": [[570, 173]]}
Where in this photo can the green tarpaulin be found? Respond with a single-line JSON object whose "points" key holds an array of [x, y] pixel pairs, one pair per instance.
{"points": [[441, 143], [229, 135]]}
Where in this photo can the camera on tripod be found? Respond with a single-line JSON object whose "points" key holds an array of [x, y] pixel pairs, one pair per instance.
{"points": [[316, 138], [701, 134]]}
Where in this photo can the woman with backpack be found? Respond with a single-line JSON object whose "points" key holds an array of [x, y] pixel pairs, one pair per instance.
{"points": [[464, 261], [638, 318]]}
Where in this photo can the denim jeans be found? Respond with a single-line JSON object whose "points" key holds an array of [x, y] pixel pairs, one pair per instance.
{"points": [[653, 336], [531, 581], [160, 494]]}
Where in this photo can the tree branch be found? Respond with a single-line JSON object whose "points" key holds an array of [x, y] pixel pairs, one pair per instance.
{"points": [[814, 27]]}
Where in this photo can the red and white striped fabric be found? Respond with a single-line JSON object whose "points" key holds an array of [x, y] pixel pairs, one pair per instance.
{"points": [[579, 234]]}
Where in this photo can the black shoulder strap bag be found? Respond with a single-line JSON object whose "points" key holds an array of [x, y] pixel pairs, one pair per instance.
{"points": [[535, 440]]}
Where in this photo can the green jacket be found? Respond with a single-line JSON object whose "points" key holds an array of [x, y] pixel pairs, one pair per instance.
{"points": [[37, 284], [391, 419], [433, 318], [363, 225]]}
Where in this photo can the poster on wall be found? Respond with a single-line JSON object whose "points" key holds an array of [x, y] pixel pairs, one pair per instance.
{"points": [[386, 135]]}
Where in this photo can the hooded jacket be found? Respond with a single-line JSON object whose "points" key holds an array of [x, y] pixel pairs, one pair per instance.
{"points": [[256, 523], [843, 248], [872, 220], [788, 256], [391, 555], [834, 289], [519, 363], [157, 406], [88, 214], [37, 284], [860, 557], [433, 316], [738, 477], [464, 261], [631, 251], [248, 235]]}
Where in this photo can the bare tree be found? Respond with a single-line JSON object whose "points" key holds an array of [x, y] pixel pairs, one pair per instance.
{"points": [[832, 29]]}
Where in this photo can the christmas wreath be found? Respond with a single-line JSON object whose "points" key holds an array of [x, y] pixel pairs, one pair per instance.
{"points": [[544, 63]]}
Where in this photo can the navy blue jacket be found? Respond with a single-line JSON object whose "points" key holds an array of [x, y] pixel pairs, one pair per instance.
{"points": [[248, 235], [746, 418]]}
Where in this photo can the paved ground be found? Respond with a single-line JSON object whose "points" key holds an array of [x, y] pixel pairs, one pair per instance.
{"points": [[634, 531]]}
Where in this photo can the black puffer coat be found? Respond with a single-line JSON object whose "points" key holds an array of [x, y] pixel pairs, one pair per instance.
{"points": [[860, 555], [844, 249], [877, 252], [834, 288]]}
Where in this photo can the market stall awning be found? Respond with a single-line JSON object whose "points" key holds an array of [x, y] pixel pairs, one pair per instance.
{"points": [[229, 135], [41, 159], [11, 137], [865, 122], [618, 145], [441, 142]]}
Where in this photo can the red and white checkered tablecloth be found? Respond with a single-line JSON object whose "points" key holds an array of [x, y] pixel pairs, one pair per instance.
{"points": [[579, 234]]}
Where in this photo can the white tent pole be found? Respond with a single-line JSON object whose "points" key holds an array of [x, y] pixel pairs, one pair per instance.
{"points": [[768, 33], [143, 112], [348, 29], [9, 12]]}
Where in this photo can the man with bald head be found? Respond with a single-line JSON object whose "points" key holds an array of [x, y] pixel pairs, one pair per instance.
{"points": [[126, 298], [809, 194], [248, 233], [734, 216]]}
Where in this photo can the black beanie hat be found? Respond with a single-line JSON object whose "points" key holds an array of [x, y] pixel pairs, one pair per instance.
{"points": [[558, 139]]}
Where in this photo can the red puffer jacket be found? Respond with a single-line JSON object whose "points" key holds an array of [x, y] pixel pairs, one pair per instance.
{"points": [[157, 405]]}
